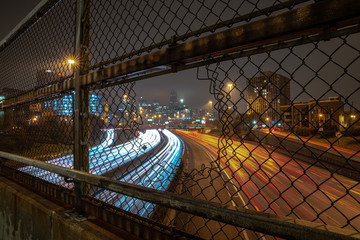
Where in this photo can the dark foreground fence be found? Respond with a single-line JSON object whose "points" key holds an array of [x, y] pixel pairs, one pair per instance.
{"points": [[283, 153]]}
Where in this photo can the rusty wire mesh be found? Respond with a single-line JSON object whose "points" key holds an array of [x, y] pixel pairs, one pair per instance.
{"points": [[41, 130], [133, 155], [288, 153], [285, 142], [39, 54], [123, 29]]}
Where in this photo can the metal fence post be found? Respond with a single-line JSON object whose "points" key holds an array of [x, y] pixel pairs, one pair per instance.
{"points": [[82, 42]]}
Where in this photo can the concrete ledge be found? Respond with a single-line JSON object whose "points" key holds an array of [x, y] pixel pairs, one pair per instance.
{"points": [[27, 215]]}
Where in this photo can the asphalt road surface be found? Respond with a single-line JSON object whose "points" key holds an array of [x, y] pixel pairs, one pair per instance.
{"points": [[262, 179]]}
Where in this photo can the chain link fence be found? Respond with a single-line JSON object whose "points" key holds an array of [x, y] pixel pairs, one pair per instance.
{"points": [[281, 138]]}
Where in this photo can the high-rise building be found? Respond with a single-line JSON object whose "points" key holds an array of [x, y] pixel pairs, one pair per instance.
{"points": [[173, 103], [265, 94]]}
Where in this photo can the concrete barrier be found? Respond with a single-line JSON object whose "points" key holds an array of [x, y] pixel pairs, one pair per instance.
{"points": [[26, 215]]}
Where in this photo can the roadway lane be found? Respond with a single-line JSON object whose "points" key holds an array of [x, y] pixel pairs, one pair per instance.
{"points": [[274, 183], [204, 182], [339, 151], [156, 172], [103, 158]]}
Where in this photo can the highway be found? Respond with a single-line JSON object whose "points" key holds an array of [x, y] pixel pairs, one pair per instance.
{"points": [[156, 172], [348, 153], [259, 178], [202, 181], [104, 157]]}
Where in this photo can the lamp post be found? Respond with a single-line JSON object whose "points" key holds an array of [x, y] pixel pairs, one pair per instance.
{"points": [[267, 122], [230, 86], [320, 119], [353, 117], [210, 104], [71, 62]]}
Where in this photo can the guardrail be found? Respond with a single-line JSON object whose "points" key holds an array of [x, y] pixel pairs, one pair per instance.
{"points": [[249, 219]]}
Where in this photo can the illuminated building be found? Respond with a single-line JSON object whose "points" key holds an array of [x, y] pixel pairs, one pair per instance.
{"points": [[314, 113], [265, 94], [64, 106], [173, 103]]}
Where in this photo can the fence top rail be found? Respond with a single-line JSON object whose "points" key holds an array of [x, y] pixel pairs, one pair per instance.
{"points": [[40, 9], [267, 223]]}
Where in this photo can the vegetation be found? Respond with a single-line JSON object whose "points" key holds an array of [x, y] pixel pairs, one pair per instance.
{"points": [[304, 131]]}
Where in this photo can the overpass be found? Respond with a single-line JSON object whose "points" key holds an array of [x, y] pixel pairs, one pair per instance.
{"points": [[70, 75]]}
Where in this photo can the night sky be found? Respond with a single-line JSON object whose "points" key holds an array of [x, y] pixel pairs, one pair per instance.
{"points": [[196, 93], [12, 12]]}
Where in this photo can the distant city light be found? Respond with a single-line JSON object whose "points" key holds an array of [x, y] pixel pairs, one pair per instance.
{"points": [[182, 100]]}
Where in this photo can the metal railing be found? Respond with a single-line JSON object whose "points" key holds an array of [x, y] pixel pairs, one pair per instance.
{"points": [[283, 149]]}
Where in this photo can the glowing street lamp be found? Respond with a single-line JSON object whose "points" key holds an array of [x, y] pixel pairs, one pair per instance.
{"points": [[70, 62], [210, 104], [230, 85]]}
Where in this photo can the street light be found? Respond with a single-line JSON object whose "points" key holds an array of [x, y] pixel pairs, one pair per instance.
{"points": [[320, 120], [230, 85], [71, 62], [210, 104]]}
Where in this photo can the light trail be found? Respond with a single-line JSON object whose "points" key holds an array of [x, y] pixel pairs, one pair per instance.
{"points": [[156, 173], [340, 150], [278, 184], [103, 158]]}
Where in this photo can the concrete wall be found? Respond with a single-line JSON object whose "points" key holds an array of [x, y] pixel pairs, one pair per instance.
{"points": [[26, 215]]}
